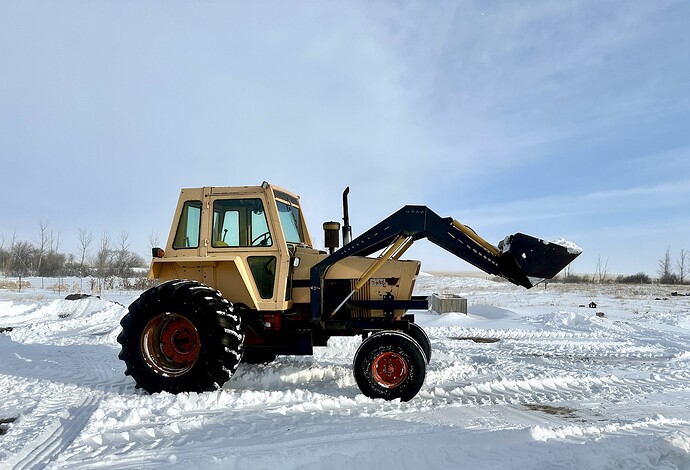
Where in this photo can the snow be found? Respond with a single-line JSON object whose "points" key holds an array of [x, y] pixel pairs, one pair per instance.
{"points": [[573, 249], [527, 379]]}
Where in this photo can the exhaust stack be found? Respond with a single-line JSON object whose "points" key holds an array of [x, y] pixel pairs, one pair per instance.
{"points": [[347, 230]]}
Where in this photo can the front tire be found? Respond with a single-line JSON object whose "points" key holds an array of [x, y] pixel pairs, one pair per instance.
{"points": [[420, 336], [180, 336], [390, 365]]}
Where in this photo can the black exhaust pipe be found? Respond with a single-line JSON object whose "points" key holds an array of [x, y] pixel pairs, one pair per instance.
{"points": [[347, 230]]}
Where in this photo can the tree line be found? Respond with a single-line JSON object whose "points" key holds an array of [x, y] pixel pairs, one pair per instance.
{"points": [[105, 258], [101, 258], [670, 271]]}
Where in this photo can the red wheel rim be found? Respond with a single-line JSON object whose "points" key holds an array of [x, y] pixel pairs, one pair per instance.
{"points": [[389, 369], [170, 344]]}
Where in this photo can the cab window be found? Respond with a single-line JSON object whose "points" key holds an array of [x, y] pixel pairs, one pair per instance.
{"points": [[263, 269], [290, 220], [240, 223], [188, 227]]}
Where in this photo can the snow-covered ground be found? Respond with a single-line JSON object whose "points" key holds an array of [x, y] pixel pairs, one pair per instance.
{"points": [[529, 379]]}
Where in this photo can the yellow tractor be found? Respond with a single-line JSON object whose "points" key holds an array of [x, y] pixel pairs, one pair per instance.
{"points": [[240, 281]]}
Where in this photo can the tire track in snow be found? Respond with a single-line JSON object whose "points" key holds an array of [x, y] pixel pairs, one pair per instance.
{"points": [[541, 390], [72, 365], [608, 349], [493, 392], [656, 425], [590, 351], [131, 446], [445, 332], [38, 437]]}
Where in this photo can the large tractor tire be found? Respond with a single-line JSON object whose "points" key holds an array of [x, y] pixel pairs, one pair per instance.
{"points": [[390, 365], [181, 336]]}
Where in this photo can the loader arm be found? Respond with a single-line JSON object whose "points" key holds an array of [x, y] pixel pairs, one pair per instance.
{"points": [[521, 259]]}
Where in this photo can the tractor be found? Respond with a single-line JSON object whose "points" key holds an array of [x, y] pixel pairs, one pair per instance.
{"points": [[239, 280]]}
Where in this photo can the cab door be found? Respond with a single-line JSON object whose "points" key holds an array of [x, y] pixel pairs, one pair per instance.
{"points": [[242, 229]]}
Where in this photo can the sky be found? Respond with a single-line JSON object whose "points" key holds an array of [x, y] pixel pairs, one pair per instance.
{"points": [[560, 119]]}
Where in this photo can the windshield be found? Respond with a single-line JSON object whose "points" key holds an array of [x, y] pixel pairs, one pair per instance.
{"points": [[290, 220]]}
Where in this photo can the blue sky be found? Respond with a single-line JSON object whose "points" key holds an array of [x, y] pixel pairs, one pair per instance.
{"points": [[558, 119]]}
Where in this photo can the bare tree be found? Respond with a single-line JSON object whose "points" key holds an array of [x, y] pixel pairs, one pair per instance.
{"points": [[85, 240], [102, 259], [53, 261], [123, 241], [54, 241], [601, 271], [21, 254], [121, 261], [666, 274], [154, 238], [42, 245], [682, 264]]}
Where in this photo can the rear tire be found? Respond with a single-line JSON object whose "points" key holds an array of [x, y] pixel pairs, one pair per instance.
{"points": [[390, 365], [180, 336]]}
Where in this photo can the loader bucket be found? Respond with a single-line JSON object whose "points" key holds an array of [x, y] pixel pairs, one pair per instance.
{"points": [[530, 260]]}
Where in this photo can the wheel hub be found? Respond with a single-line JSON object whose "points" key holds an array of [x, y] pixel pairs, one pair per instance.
{"points": [[170, 344], [389, 369], [180, 341]]}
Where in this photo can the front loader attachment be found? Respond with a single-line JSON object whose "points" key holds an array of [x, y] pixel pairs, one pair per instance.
{"points": [[519, 258], [531, 260]]}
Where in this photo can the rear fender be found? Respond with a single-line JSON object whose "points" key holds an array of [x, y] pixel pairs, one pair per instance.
{"points": [[229, 276]]}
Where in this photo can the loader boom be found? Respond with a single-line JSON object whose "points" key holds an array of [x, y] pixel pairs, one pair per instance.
{"points": [[521, 259]]}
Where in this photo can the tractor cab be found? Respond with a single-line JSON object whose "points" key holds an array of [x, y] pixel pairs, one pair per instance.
{"points": [[242, 240]]}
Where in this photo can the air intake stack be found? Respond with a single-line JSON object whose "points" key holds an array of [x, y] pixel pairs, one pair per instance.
{"points": [[331, 235]]}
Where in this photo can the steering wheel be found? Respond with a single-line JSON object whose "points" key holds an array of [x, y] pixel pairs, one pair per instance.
{"points": [[262, 239]]}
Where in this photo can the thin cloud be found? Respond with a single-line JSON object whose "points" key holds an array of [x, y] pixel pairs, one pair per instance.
{"points": [[667, 195]]}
